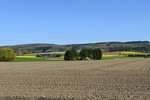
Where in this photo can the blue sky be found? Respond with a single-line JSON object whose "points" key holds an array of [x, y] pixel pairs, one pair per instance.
{"points": [[73, 21]]}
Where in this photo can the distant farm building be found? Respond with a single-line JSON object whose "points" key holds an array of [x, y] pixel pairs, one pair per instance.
{"points": [[46, 55]]}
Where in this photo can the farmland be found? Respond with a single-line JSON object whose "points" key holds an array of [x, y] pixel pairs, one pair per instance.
{"points": [[105, 79], [105, 56]]}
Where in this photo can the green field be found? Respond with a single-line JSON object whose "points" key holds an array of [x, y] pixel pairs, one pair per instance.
{"points": [[34, 54]]}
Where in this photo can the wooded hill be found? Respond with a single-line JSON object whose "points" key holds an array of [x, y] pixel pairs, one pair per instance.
{"points": [[140, 46]]}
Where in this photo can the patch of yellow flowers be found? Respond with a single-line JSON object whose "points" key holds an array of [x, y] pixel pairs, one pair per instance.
{"points": [[26, 56], [111, 55], [123, 53], [126, 52]]}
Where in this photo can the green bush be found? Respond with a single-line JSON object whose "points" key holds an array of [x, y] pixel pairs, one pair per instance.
{"points": [[39, 55], [85, 54], [95, 54], [7, 54], [71, 55], [58, 55], [87, 58], [146, 56]]}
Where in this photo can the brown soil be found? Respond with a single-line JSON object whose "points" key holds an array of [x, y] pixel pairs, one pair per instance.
{"points": [[127, 79]]}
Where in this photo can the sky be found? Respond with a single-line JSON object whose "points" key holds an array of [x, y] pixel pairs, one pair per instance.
{"points": [[73, 21]]}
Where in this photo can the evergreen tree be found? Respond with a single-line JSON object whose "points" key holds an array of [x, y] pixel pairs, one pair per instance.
{"points": [[97, 54], [90, 53], [83, 54], [75, 54], [70, 55]]}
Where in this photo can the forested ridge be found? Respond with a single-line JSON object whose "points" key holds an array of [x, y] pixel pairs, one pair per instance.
{"points": [[141, 46]]}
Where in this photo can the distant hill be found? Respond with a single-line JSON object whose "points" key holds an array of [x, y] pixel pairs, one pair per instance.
{"points": [[142, 46]]}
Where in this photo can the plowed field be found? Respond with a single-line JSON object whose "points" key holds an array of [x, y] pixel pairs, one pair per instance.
{"points": [[119, 79]]}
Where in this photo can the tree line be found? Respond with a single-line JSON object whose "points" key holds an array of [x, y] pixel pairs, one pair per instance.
{"points": [[137, 46], [84, 54], [7, 54]]}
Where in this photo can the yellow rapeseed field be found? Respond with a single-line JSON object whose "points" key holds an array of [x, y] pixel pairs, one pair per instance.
{"points": [[127, 52], [26, 56], [110, 55]]}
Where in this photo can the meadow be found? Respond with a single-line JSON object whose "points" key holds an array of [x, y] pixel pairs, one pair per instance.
{"points": [[118, 79]]}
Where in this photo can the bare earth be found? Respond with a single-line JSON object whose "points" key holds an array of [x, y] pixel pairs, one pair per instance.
{"points": [[127, 79]]}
